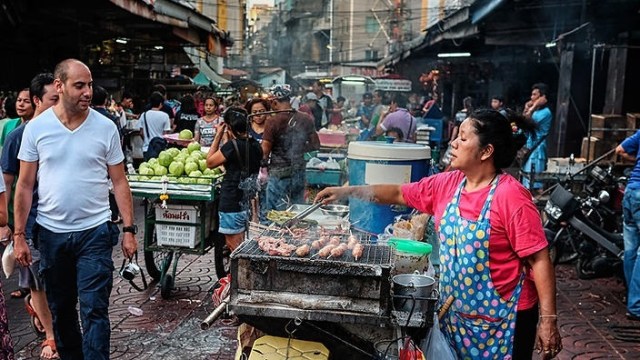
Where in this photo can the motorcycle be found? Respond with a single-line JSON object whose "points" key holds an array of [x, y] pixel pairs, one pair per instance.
{"points": [[575, 224], [587, 227], [607, 191]]}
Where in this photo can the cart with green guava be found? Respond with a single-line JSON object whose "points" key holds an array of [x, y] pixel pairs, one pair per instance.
{"points": [[180, 218]]}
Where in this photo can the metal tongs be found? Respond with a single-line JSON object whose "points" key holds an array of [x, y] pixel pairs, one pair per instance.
{"points": [[303, 214]]}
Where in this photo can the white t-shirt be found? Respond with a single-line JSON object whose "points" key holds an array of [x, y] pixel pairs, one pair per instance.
{"points": [[2, 186], [73, 189], [157, 121]]}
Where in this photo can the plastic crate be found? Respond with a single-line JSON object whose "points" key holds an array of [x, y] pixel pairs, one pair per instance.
{"points": [[332, 138], [180, 225], [324, 177], [178, 235]]}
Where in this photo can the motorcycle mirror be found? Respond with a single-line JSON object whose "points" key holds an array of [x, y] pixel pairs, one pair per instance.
{"points": [[604, 196]]}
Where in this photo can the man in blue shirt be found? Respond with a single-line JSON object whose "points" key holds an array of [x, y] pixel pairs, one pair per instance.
{"points": [[43, 96], [537, 110], [365, 111], [631, 216]]}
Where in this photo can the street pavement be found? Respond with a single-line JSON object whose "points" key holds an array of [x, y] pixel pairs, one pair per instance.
{"points": [[591, 317]]}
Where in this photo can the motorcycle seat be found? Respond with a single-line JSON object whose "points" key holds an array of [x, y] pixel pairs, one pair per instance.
{"points": [[615, 238]]}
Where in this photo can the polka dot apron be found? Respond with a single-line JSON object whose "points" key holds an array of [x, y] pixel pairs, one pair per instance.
{"points": [[480, 324]]}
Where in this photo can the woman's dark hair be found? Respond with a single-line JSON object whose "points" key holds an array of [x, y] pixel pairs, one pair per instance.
{"points": [[397, 131], [10, 107], [236, 118], [187, 103], [254, 101], [496, 129], [468, 104]]}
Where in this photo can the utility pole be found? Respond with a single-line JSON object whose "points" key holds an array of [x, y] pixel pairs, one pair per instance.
{"points": [[330, 33]]}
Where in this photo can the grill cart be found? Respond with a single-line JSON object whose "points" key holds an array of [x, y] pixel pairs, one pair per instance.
{"points": [[180, 218], [344, 302]]}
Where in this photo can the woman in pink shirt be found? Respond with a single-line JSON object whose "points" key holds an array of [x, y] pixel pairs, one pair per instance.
{"points": [[493, 251]]}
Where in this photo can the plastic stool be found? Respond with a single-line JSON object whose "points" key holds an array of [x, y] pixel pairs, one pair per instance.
{"points": [[275, 348]]}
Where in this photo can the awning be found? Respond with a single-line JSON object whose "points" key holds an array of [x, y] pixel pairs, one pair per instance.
{"points": [[188, 23], [204, 68], [460, 24]]}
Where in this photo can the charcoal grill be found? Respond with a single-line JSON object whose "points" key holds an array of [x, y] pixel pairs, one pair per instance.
{"points": [[347, 298], [312, 288]]}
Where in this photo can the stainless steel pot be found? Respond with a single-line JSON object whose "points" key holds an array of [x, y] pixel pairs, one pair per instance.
{"points": [[409, 287]]}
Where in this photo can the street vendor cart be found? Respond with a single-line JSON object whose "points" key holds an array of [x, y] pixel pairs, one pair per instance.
{"points": [[348, 303], [180, 218]]}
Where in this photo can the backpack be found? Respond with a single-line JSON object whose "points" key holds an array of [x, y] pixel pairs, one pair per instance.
{"points": [[156, 144]]}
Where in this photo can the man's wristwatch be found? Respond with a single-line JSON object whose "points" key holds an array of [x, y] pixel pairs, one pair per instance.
{"points": [[130, 229]]}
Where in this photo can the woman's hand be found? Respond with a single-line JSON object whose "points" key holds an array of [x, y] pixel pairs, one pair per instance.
{"points": [[331, 194], [5, 235], [220, 128], [548, 341]]}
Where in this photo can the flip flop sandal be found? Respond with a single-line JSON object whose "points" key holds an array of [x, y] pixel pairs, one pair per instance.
{"points": [[39, 330], [52, 344]]}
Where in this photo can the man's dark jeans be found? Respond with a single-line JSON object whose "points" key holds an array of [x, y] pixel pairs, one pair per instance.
{"points": [[78, 265]]}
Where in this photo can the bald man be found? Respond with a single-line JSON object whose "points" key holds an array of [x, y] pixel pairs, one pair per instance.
{"points": [[71, 151]]}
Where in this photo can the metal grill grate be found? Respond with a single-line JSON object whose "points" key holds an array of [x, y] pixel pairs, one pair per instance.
{"points": [[372, 254]]}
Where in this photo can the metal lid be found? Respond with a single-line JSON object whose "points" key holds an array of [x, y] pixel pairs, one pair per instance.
{"points": [[375, 150]]}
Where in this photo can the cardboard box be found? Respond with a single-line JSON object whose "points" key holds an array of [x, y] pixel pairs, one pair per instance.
{"points": [[604, 127], [597, 147], [633, 122]]}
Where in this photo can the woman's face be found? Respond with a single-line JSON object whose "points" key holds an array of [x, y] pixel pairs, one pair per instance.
{"points": [[256, 109], [23, 105], [465, 149], [209, 107]]}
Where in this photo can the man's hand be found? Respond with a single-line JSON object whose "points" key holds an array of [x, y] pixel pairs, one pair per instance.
{"points": [[542, 101], [21, 250], [129, 245]]}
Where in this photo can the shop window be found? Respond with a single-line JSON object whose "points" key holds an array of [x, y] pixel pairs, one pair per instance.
{"points": [[371, 25]]}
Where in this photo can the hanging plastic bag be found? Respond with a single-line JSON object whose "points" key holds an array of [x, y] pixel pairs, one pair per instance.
{"points": [[436, 346], [8, 260], [410, 351]]}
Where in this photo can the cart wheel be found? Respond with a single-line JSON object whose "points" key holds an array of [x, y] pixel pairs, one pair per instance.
{"points": [[154, 260], [166, 286], [221, 255]]}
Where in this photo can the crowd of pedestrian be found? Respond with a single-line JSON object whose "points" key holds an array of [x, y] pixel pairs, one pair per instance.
{"points": [[64, 231]]}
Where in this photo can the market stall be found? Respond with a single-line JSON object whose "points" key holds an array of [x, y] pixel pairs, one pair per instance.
{"points": [[180, 213]]}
